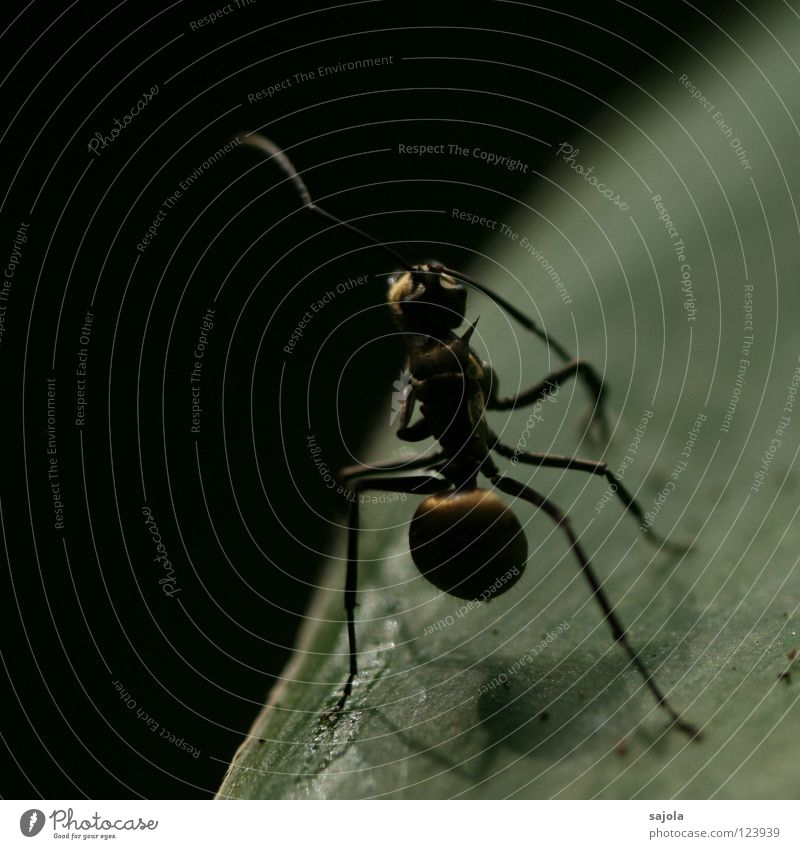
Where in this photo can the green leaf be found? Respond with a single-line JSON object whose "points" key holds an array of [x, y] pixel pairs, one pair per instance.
{"points": [[429, 716]]}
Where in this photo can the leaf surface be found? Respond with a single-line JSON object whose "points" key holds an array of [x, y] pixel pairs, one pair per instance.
{"points": [[459, 700]]}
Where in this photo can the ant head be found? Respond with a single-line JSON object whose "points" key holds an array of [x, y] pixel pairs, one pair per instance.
{"points": [[468, 543], [427, 300]]}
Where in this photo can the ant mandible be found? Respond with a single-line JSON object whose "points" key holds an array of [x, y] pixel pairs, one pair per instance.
{"points": [[464, 539]]}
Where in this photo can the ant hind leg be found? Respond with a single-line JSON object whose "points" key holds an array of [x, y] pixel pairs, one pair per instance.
{"points": [[520, 490], [593, 467]]}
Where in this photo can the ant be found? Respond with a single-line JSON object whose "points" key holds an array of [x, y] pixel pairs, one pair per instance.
{"points": [[464, 539]]}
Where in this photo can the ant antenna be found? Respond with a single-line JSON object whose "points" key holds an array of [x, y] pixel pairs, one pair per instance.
{"points": [[270, 149], [263, 144], [508, 307]]}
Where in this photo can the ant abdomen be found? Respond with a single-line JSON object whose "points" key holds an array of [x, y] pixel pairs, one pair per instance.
{"points": [[468, 543]]}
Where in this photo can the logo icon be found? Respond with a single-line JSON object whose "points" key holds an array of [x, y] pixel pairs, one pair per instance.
{"points": [[31, 822]]}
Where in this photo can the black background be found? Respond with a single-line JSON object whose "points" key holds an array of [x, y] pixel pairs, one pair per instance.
{"points": [[83, 607]]}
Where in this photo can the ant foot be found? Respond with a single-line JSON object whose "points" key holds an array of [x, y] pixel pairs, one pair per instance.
{"points": [[670, 546], [694, 733], [596, 427], [332, 714]]}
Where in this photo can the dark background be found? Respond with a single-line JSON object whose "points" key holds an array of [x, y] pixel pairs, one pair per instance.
{"points": [[83, 606]]}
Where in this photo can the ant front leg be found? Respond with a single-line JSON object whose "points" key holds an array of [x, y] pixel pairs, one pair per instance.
{"points": [[420, 462], [519, 490], [576, 368], [410, 433], [420, 429], [593, 467], [416, 485]]}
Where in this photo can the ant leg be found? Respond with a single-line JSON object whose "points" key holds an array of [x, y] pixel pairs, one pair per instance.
{"points": [[420, 430], [574, 368], [350, 589], [519, 490], [413, 484], [392, 465], [410, 433], [593, 467]]}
